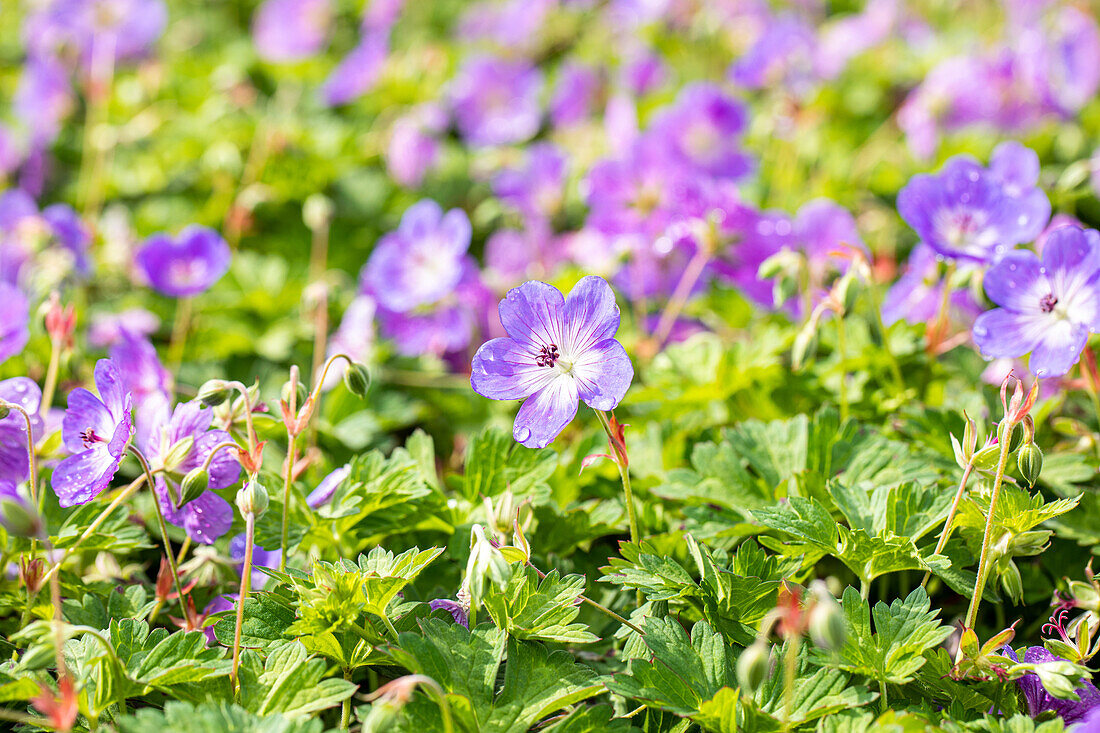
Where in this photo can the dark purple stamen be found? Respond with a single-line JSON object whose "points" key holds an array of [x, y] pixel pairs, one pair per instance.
{"points": [[1047, 302], [548, 356], [90, 438]]}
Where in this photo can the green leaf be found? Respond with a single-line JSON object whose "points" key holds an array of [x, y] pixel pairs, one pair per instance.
{"points": [[540, 611], [537, 683], [181, 717], [289, 682], [894, 652], [495, 463], [267, 618]]}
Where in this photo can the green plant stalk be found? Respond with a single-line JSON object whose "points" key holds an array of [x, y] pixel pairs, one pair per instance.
{"points": [[987, 538], [389, 626], [790, 672], [946, 533], [345, 708], [180, 326], [598, 606], [288, 469], [891, 358], [246, 584], [164, 535], [842, 351], [49, 385], [624, 474]]}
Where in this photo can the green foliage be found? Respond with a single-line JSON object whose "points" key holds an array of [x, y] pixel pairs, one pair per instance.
{"points": [[180, 717]]}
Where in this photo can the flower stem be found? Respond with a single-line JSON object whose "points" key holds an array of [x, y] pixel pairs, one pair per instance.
{"points": [[946, 533], [891, 358], [246, 584], [842, 351], [624, 474], [180, 327], [790, 673], [50, 384], [389, 626], [599, 607], [31, 462], [987, 539], [345, 708], [164, 534], [676, 302], [288, 468]]}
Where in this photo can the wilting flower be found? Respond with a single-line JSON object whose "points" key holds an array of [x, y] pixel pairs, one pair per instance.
{"points": [[1048, 307], [185, 265], [291, 30], [97, 431], [703, 129], [1040, 701], [209, 516], [24, 392], [496, 100], [970, 213], [14, 315], [558, 350]]}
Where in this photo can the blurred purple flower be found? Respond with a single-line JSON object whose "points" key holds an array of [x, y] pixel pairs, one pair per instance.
{"points": [[558, 350], [24, 231], [643, 71], [354, 337], [412, 148], [508, 24], [752, 237], [106, 329], [97, 431], [574, 94], [782, 57], [261, 558], [537, 188], [328, 486], [422, 260], [513, 256], [380, 16], [918, 293], [967, 212], [842, 40], [14, 318], [358, 72], [100, 31], [703, 128], [1048, 307], [147, 381], [208, 517], [1040, 701], [291, 30], [185, 265], [11, 151], [43, 98], [24, 392], [495, 101]]}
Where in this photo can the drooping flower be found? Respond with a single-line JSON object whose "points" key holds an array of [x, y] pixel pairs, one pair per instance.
{"points": [[291, 30], [24, 392], [97, 431], [558, 350], [422, 260], [703, 128], [185, 265], [1040, 701], [495, 100], [1048, 307], [967, 212], [14, 315]]}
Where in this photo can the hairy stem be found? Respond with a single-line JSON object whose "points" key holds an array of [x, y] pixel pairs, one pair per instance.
{"points": [[946, 533], [246, 584], [599, 607], [987, 538]]}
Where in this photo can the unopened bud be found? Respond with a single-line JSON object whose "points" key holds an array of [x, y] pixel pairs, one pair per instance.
{"points": [[193, 485], [1012, 583], [18, 517], [300, 394], [214, 392], [178, 453], [827, 626], [252, 499], [752, 666], [357, 379], [317, 211], [1029, 460]]}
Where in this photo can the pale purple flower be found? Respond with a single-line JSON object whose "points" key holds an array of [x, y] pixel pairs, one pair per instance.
{"points": [[918, 293], [413, 148], [185, 265], [147, 381], [643, 72], [782, 56], [24, 231], [1048, 307], [422, 260], [458, 612], [24, 392], [328, 486], [107, 329], [495, 101], [513, 256], [967, 212], [574, 94], [752, 237], [823, 228], [703, 128], [208, 517], [507, 23], [380, 16], [620, 123], [358, 72], [1040, 701], [558, 350], [100, 31], [291, 30], [354, 337], [261, 558], [14, 317], [97, 431], [537, 188], [11, 151], [842, 40], [43, 98]]}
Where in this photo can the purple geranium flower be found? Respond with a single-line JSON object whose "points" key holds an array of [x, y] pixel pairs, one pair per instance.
{"points": [[916, 296], [458, 612], [422, 260], [260, 558], [1040, 701], [967, 212], [44, 98], [536, 189], [1048, 307], [412, 148], [574, 94], [324, 491], [147, 381], [358, 72], [97, 431], [98, 30], [14, 315], [496, 100], [208, 517], [704, 128], [558, 349], [291, 30], [107, 329], [24, 231], [24, 392], [185, 265], [354, 337]]}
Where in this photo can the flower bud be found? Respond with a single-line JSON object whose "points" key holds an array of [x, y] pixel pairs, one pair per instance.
{"points": [[193, 485], [317, 211], [178, 453], [214, 392], [357, 379], [252, 499], [1029, 459], [300, 393], [486, 562], [18, 517], [5, 409], [827, 626], [752, 666], [1012, 583]]}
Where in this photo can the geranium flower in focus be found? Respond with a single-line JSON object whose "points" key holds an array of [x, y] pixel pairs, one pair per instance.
{"points": [[559, 349]]}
